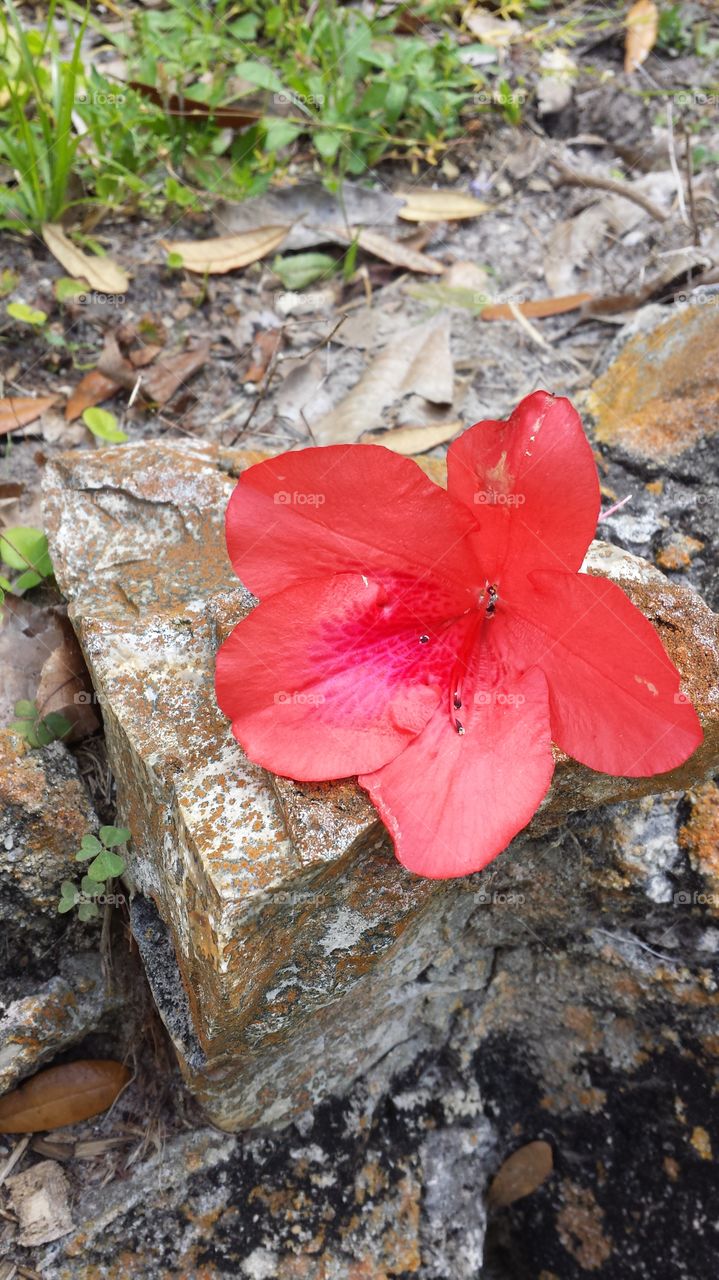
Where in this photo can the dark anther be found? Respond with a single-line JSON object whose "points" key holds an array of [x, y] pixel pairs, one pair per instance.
{"points": [[459, 727], [493, 595], [457, 702], [424, 639]]}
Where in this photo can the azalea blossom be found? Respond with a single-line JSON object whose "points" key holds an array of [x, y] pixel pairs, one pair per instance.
{"points": [[436, 642]]}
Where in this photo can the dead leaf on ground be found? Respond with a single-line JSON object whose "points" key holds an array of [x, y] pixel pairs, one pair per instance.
{"points": [[538, 309], [114, 366], [265, 347], [27, 638], [439, 206], [521, 1174], [417, 361], [102, 274], [40, 1197], [20, 411], [396, 252], [65, 686], [220, 254], [143, 356], [188, 108], [310, 212], [642, 23], [492, 30], [411, 440], [169, 373], [62, 1095], [92, 389]]}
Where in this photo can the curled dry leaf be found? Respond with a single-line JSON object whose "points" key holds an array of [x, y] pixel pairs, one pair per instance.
{"points": [[521, 1174], [102, 274], [92, 389], [395, 252], [175, 104], [19, 411], [65, 686], [168, 373], [439, 206], [642, 23], [220, 254], [411, 440], [265, 347], [62, 1095], [538, 309]]}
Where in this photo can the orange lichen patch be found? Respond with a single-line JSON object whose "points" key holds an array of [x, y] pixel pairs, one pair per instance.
{"points": [[584, 1023], [580, 1226], [574, 1097], [701, 1142], [678, 553], [655, 486], [700, 834], [661, 393]]}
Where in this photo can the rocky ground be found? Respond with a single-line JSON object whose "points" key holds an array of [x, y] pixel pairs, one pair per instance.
{"points": [[576, 1007]]}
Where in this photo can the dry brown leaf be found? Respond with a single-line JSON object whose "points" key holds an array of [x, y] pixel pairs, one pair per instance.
{"points": [[417, 361], [19, 411], [92, 389], [169, 373], [226, 253], [395, 252], [521, 1174], [62, 1095], [143, 356], [187, 108], [65, 686], [411, 440], [439, 206], [102, 274], [642, 23], [265, 347], [538, 309]]}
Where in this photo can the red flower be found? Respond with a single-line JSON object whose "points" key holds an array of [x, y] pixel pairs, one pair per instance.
{"points": [[436, 642]]}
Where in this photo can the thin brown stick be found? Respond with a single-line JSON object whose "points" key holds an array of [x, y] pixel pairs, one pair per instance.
{"points": [[593, 181]]}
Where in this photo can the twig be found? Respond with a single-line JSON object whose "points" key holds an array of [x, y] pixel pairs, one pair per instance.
{"points": [[574, 179], [15, 1156], [529, 329], [673, 162], [696, 235]]}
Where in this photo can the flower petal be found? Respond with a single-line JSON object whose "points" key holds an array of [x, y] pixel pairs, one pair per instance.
{"points": [[452, 802], [533, 487], [346, 509], [614, 693], [330, 678]]}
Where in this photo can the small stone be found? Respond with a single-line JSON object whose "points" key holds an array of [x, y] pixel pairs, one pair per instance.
{"points": [[40, 1197]]}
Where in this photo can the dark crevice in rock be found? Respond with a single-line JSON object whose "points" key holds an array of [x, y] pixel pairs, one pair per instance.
{"points": [[158, 956]]}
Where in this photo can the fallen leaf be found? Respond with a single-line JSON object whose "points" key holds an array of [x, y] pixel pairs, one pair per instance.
{"points": [[92, 389], [310, 212], [102, 274], [521, 1174], [417, 361], [492, 30], [411, 440], [144, 355], [27, 637], [40, 1197], [188, 108], [396, 252], [439, 206], [169, 373], [226, 253], [642, 23], [19, 411], [541, 307], [266, 345], [113, 364], [62, 1095]]}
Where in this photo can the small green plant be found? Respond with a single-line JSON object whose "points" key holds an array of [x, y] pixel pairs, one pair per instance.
{"points": [[105, 866], [36, 730], [26, 549], [26, 315], [674, 33], [103, 425]]}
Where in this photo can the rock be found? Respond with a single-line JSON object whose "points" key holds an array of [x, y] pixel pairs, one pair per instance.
{"points": [[657, 397], [44, 812], [36, 1023], [305, 952]]}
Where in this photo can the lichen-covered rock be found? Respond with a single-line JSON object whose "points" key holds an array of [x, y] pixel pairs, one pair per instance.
{"points": [[44, 813], [306, 953]]}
